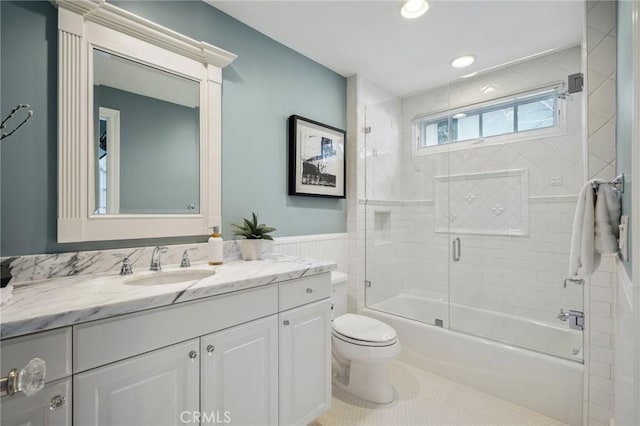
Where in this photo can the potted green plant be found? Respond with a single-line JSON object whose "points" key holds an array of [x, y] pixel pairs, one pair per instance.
{"points": [[254, 234]]}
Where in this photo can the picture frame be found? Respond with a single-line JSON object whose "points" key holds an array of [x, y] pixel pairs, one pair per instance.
{"points": [[317, 159]]}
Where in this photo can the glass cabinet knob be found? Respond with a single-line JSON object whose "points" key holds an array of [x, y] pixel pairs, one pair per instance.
{"points": [[28, 380]]}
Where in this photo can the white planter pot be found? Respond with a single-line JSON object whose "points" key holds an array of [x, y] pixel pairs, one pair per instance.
{"points": [[251, 249]]}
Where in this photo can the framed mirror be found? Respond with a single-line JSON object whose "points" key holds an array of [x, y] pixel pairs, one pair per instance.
{"points": [[139, 141], [146, 138]]}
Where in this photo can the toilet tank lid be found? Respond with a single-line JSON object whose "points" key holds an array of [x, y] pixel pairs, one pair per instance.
{"points": [[338, 277], [363, 328]]}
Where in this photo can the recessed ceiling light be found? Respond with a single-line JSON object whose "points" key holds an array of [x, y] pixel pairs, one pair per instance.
{"points": [[469, 75], [459, 115], [414, 8], [463, 61]]}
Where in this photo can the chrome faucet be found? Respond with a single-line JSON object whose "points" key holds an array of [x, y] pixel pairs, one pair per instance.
{"points": [[155, 258], [126, 267]]}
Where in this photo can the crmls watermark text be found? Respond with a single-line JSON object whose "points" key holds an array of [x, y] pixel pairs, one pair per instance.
{"points": [[203, 417]]}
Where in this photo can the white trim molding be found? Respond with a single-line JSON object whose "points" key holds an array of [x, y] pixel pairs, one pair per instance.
{"points": [[112, 117], [87, 24], [110, 16]]}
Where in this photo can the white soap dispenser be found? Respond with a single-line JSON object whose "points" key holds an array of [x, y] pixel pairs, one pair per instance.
{"points": [[215, 247]]}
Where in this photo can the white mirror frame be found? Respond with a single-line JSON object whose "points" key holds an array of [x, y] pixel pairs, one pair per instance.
{"points": [[83, 25]]}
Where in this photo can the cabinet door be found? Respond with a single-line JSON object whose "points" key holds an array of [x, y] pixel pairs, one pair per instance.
{"points": [[158, 388], [240, 374], [49, 407], [305, 363]]}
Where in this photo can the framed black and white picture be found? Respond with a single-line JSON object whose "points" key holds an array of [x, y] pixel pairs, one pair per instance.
{"points": [[317, 165]]}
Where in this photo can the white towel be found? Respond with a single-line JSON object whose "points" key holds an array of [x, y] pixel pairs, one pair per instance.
{"points": [[584, 259], [607, 220]]}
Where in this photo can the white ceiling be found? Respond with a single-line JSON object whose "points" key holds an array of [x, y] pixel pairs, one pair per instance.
{"points": [[371, 39]]}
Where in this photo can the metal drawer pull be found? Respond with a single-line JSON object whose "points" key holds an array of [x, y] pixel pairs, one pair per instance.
{"points": [[193, 354], [309, 290], [57, 401], [211, 348], [285, 322], [28, 380]]}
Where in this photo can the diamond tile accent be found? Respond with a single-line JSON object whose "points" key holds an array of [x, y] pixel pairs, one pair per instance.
{"points": [[500, 203]]}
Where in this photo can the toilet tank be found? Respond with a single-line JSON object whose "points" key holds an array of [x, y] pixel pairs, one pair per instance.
{"points": [[338, 293]]}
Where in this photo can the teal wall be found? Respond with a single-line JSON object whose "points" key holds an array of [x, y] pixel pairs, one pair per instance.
{"points": [[267, 83], [624, 123]]}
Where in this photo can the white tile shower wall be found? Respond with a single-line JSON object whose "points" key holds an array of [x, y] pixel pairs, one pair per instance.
{"points": [[601, 123], [520, 276], [329, 247], [403, 263]]}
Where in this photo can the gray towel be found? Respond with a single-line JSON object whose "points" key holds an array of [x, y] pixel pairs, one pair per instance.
{"points": [[607, 220]]}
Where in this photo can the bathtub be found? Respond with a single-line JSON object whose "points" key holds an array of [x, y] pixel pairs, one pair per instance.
{"points": [[544, 383]]}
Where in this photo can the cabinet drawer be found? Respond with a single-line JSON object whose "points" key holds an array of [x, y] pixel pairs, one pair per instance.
{"points": [[101, 342], [304, 290], [51, 406], [54, 347]]}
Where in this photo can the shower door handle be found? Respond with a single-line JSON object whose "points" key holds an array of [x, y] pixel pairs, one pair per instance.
{"points": [[455, 249]]}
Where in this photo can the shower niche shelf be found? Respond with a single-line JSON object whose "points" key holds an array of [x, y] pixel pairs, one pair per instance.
{"points": [[382, 227]]}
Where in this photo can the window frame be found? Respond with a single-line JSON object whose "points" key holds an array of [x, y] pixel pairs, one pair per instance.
{"points": [[420, 122]]}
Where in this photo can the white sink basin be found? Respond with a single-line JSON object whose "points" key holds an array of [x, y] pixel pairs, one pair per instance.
{"points": [[170, 277]]}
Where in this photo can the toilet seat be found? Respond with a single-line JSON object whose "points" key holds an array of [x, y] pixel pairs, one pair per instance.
{"points": [[363, 342], [363, 331]]}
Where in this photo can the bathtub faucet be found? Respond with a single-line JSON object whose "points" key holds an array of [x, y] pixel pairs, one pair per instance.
{"points": [[563, 315]]}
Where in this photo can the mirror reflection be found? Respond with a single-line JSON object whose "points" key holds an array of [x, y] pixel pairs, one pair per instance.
{"points": [[146, 136]]}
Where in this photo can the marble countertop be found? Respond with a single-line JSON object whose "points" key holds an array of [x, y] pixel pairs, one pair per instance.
{"points": [[58, 302]]}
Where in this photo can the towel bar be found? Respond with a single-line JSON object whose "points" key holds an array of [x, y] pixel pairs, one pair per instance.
{"points": [[618, 183]]}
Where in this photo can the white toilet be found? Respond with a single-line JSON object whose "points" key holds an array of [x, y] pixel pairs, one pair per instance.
{"points": [[363, 349]]}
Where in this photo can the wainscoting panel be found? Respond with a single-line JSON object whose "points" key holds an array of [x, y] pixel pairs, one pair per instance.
{"points": [[330, 247]]}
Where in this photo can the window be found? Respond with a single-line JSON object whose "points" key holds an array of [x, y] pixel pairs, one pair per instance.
{"points": [[523, 113]]}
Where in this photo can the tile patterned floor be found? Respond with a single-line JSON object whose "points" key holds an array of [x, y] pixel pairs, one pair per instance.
{"points": [[424, 399]]}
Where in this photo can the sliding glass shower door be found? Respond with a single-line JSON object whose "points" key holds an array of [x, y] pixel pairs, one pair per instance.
{"points": [[407, 262], [515, 171], [469, 200]]}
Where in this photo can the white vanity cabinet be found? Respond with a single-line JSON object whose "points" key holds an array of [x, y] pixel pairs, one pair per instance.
{"points": [[158, 388], [260, 356], [240, 373]]}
